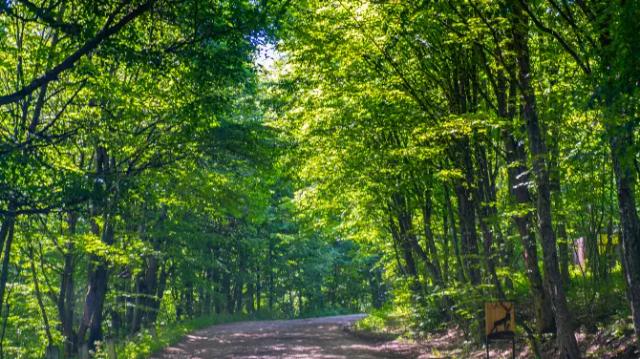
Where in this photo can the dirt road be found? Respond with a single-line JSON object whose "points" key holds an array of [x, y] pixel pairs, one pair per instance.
{"points": [[321, 338]]}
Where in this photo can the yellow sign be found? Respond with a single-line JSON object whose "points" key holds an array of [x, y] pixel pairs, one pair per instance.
{"points": [[499, 319]]}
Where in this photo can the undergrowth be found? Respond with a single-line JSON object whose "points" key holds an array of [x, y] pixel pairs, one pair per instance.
{"points": [[608, 318]]}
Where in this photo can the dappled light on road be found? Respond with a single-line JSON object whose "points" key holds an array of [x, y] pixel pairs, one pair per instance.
{"points": [[321, 338]]}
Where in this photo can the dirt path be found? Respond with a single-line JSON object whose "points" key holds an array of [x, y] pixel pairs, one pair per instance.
{"points": [[321, 338]]}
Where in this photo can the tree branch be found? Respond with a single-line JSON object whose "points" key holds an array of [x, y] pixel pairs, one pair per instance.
{"points": [[47, 17], [583, 65], [70, 61]]}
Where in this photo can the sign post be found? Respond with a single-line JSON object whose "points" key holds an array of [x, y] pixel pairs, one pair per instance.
{"points": [[500, 324]]}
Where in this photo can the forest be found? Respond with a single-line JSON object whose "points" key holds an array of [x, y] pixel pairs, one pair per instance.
{"points": [[170, 164]]}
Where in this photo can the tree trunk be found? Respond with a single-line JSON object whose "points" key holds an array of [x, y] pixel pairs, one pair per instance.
{"points": [[518, 180], [258, 288], [146, 292], [466, 213], [157, 299], [6, 238], [98, 272], [270, 279], [188, 301], [96, 293], [207, 300], [406, 234], [563, 244], [454, 233], [226, 291], [38, 293], [405, 249], [486, 213], [564, 321], [238, 294], [250, 301], [66, 296], [217, 292], [137, 310], [518, 186], [445, 244], [434, 260], [621, 142], [558, 202]]}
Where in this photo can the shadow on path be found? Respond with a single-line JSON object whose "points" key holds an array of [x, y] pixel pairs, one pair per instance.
{"points": [[321, 338]]}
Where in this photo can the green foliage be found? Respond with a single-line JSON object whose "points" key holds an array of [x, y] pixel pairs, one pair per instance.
{"points": [[410, 136], [390, 319]]}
